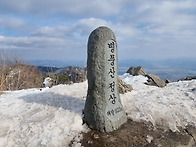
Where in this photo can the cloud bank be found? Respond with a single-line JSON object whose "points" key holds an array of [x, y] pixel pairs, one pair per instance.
{"points": [[60, 29]]}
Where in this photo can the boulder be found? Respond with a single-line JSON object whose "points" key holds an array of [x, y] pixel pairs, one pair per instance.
{"points": [[135, 71], [123, 87], [155, 81]]}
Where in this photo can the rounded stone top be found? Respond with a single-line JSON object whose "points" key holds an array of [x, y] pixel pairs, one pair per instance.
{"points": [[103, 28], [102, 33]]}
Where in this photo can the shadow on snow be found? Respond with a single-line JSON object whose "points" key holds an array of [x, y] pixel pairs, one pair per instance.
{"points": [[72, 104]]}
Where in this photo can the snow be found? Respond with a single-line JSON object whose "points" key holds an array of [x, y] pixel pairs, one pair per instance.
{"points": [[168, 107], [53, 116], [47, 82]]}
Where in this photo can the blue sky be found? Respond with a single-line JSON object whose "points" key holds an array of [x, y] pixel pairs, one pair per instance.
{"points": [[59, 29]]}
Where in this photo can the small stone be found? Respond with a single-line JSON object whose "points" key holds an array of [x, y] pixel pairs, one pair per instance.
{"points": [[167, 81]]}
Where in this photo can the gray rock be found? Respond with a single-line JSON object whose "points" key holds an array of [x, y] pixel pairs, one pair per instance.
{"points": [[103, 109], [167, 81], [124, 87], [131, 70], [188, 78], [155, 81], [135, 71]]}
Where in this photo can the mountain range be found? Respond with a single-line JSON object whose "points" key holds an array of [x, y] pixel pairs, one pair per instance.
{"points": [[172, 69]]}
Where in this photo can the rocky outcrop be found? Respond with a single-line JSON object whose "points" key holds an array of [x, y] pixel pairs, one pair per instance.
{"points": [[76, 74], [188, 78], [155, 81], [135, 71], [123, 87], [152, 79]]}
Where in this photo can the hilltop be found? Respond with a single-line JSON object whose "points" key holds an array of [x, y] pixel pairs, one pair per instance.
{"points": [[53, 116]]}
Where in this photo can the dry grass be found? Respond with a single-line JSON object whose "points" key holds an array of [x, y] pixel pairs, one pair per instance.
{"points": [[16, 75]]}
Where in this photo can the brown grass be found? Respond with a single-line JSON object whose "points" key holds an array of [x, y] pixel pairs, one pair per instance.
{"points": [[16, 75]]}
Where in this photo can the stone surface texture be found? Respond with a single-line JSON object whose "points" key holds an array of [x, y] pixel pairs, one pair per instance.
{"points": [[103, 109], [135, 71], [123, 87], [155, 81]]}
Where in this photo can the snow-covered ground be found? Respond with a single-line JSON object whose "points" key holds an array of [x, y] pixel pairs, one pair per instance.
{"points": [[169, 107], [53, 116]]}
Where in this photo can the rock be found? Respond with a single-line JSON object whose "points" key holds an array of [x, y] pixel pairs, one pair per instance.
{"points": [[188, 78], [131, 70], [155, 81], [194, 89], [135, 71], [103, 108], [167, 81], [123, 87]]}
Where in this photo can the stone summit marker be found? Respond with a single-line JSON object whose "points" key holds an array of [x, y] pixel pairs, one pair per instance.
{"points": [[103, 109]]}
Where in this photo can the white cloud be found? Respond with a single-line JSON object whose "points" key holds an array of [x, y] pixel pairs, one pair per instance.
{"points": [[74, 7], [79, 31], [56, 40], [11, 23], [36, 43], [85, 26], [44, 47], [171, 15], [125, 31], [59, 31], [153, 28]]}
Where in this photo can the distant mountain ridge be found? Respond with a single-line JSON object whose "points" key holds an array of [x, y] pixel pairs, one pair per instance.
{"points": [[173, 69], [57, 63], [76, 74], [184, 63], [45, 69]]}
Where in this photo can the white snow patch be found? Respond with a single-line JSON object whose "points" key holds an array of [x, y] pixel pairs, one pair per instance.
{"points": [[48, 82], [134, 80]]}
